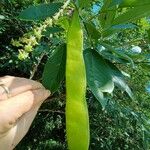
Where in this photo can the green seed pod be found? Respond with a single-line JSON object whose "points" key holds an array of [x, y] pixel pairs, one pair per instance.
{"points": [[77, 120]]}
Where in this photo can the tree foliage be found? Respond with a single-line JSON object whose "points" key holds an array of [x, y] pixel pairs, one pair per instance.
{"points": [[111, 30]]}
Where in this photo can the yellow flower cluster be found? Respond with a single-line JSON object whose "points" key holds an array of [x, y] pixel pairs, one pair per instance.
{"points": [[29, 40]]}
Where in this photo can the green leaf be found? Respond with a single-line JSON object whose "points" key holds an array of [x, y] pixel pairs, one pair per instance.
{"points": [[54, 70], [117, 28], [133, 3], [2, 17], [107, 16], [118, 79], [119, 53], [111, 57], [115, 2], [133, 14], [102, 76], [52, 30], [83, 3], [98, 75], [124, 26], [92, 31], [40, 12]]}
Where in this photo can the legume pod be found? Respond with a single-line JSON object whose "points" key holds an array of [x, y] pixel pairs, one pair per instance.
{"points": [[77, 120]]}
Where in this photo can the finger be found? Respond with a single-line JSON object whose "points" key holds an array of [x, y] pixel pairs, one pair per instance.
{"points": [[11, 110], [23, 125], [17, 85], [17, 132]]}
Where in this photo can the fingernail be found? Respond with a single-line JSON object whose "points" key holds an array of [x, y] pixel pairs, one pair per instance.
{"points": [[48, 92]]}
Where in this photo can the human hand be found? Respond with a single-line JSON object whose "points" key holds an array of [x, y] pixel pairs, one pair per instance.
{"points": [[18, 108]]}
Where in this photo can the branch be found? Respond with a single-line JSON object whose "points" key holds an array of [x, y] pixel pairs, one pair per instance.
{"points": [[36, 66], [138, 62], [51, 111]]}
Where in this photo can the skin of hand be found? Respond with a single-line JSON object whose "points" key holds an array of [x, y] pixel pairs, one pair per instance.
{"points": [[19, 110]]}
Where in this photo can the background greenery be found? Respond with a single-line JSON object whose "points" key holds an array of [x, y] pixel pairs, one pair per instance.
{"points": [[123, 123]]}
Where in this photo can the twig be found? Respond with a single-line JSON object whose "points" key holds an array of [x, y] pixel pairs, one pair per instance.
{"points": [[52, 98], [36, 66], [135, 62], [142, 62], [52, 111], [145, 41]]}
